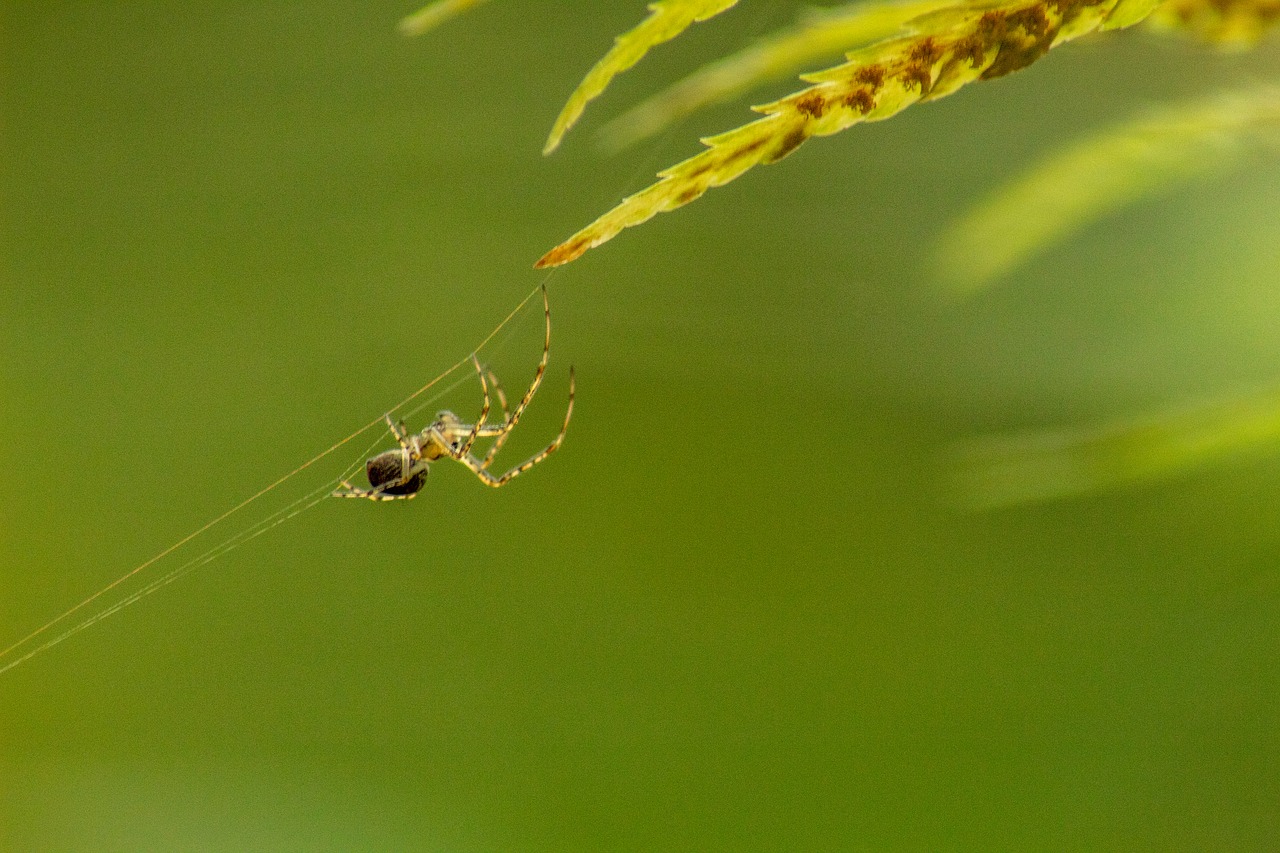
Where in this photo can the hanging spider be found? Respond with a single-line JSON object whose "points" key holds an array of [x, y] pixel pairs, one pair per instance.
{"points": [[401, 474]]}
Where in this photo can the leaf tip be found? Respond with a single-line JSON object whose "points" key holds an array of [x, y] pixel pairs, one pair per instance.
{"points": [[573, 248], [568, 117]]}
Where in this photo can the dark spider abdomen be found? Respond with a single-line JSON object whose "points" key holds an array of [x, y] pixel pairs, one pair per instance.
{"points": [[415, 484], [387, 468]]}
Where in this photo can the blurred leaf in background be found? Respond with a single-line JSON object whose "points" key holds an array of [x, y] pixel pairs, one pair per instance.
{"points": [[1094, 176], [1036, 466]]}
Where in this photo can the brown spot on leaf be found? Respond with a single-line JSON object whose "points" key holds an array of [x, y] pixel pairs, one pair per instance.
{"points": [[1017, 52], [705, 166], [972, 49], [870, 75], [919, 76], [925, 52], [1034, 20], [813, 105], [745, 151], [861, 100], [690, 194], [1010, 60], [991, 24], [1068, 9], [789, 143]]}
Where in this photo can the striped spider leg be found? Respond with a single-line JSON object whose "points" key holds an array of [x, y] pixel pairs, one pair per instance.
{"points": [[401, 473]]}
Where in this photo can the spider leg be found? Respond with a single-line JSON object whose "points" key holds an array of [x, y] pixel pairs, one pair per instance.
{"points": [[378, 494], [503, 432], [510, 419], [476, 466], [465, 449], [398, 430], [542, 366]]}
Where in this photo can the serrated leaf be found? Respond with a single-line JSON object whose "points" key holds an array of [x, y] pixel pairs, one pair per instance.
{"points": [[1049, 465], [667, 19], [1229, 24], [433, 15], [817, 36], [1099, 174], [973, 40]]}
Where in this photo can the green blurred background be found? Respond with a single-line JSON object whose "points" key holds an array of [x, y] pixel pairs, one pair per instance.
{"points": [[741, 609]]}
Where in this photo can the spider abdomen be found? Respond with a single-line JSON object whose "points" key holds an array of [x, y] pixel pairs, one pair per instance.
{"points": [[388, 468]]}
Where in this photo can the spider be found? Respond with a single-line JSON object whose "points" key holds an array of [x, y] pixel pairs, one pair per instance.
{"points": [[401, 473]]}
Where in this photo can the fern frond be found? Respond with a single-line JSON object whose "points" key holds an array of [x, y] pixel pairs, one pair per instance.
{"points": [[949, 48], [1229, 24], [818, 35], [667, 19], [1040, 466], [1100, 174], [433, 15]]}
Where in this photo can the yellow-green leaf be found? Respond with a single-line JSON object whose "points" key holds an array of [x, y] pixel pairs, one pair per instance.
{"points": [[433, 15], [667, 19], [972, 40], [1229, 24], [1099, 174], [818, 35]]}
